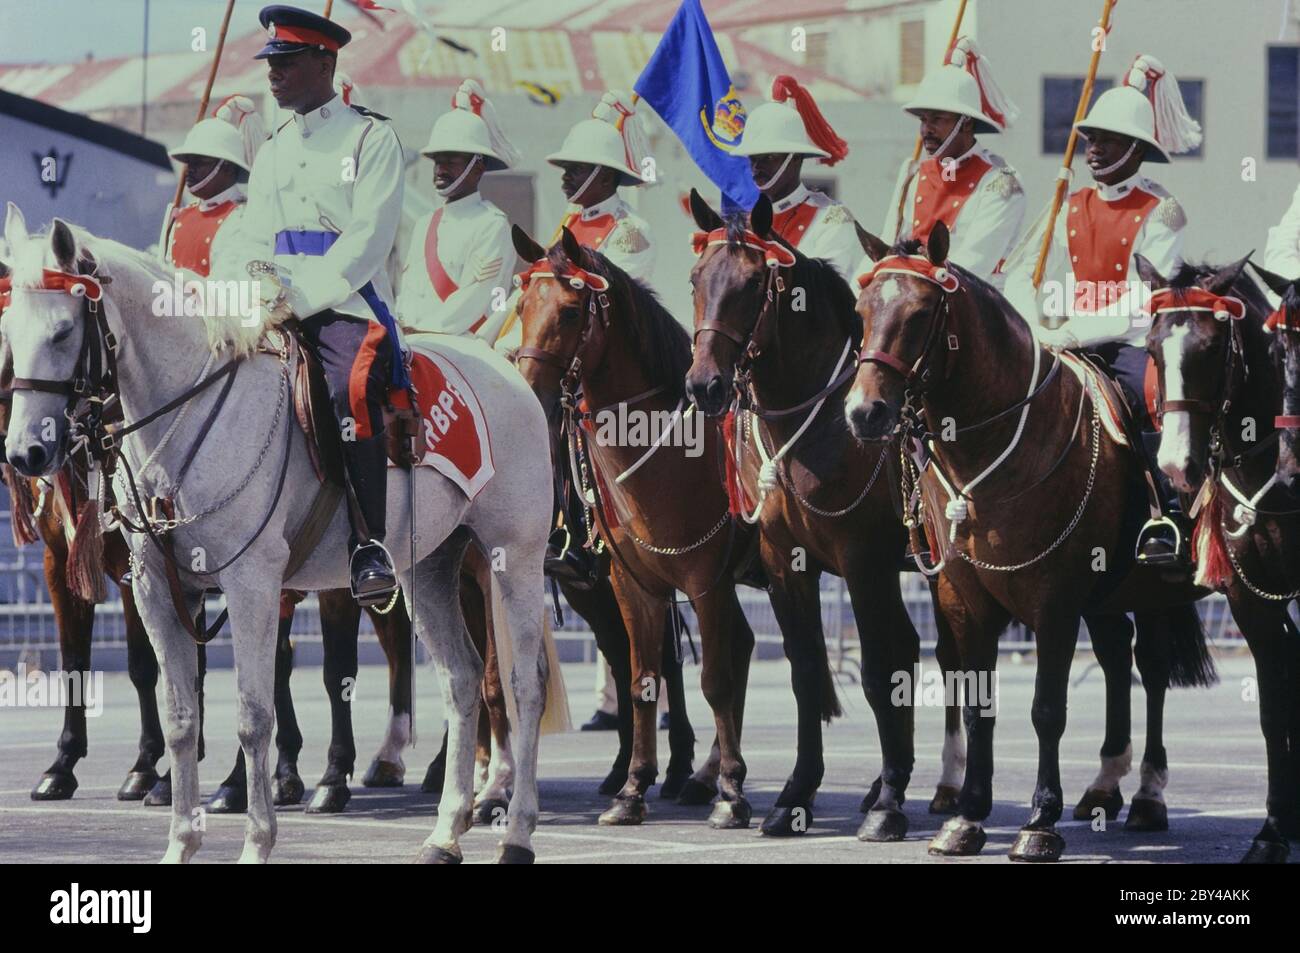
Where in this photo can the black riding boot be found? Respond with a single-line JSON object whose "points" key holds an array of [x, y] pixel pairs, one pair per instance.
{"points": [[373, 577], [567, 559]]}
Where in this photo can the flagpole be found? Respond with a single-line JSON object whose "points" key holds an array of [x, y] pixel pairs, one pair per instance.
{"points": [[203, 108], [1063, 177], [329, 7], [916, 149]]}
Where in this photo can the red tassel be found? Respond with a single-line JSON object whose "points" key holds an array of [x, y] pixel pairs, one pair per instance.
{"points": [[21, 520], [86, 557], [819, 130], [1213, 569]]}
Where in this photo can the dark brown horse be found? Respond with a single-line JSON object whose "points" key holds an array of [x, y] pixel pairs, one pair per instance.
{"points": [[1222, 385], [777, 331], [659, 502], [950, 367]]}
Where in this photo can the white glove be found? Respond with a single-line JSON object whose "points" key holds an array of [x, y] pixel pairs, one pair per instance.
{"points": [[1058, 339]]}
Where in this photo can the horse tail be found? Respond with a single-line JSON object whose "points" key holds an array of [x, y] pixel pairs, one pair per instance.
{"points": [[1180, 630], [555, 711]]}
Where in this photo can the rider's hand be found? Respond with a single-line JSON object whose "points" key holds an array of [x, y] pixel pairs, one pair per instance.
{"points": [[1058, 339]]}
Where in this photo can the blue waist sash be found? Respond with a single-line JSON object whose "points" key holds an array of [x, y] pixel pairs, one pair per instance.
{"points": [[295, 242]]}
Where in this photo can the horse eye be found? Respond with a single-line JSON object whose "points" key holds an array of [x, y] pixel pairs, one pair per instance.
{"points": [[569, 314], [61, 335]]}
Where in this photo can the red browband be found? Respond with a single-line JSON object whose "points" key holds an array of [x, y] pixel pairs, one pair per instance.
{"points": [[578, 278], [1223, 307], [1287, 422], [917, 265], [301, 34], [76, 285], [774, 253], [1278, 321]]}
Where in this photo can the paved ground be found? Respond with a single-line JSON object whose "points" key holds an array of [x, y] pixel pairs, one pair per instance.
{"points": [[1216, 792]]}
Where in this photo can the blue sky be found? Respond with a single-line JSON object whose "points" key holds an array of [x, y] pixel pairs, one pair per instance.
{"points": [[61, 31]]}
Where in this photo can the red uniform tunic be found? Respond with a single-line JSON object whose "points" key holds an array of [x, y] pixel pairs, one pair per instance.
{"points": [[192, 234], [1100, 236], [939, 198]]}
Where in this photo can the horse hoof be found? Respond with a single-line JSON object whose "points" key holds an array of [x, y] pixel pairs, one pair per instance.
{"points": [[384, 774], [1147, 814], [674, 784], [613, 782], [783, 821], [514, 854], [624, 812], [287, 790], [731, 815], [160, 795], [1037, 846], [696, 793], [436, 855], [1092, 799], [1267, 852], [228, 800], [54, 787], [329, 799], [945, 799], [883, 825], [491, 811], [137, 785], [434, 777], [959, 838], [873, 795]]}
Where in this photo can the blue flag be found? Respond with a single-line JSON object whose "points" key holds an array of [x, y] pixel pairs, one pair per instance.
{"points": [[687, 84]]}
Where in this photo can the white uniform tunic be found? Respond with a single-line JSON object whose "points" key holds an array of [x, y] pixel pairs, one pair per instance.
{"points": [[1282, 253], [819, 226], [988, 201], [473, 249], [330, 170]]}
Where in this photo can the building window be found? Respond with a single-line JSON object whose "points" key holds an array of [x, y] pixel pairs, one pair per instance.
{"points": [[1283, 95], [911, 52], [1061, 98]]}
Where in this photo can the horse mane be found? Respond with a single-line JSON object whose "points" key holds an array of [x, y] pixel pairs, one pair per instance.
{"points": [[817, 276], [654, 334]]}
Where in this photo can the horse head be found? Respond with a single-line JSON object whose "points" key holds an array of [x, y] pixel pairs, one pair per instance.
{"points": [[901, 305], [1285, 324], [1196, 342], [563, 310], [44, 329]]}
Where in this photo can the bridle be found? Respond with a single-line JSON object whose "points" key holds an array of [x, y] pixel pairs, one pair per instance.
{"points": [[596, 304], [1281, 322]]}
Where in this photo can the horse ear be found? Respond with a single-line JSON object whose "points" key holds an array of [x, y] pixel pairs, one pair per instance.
{"points": [[63, 245], [705, 216], [525, 247], [873, 246], [1275, 282], [937, 246], [572, 248], [1148, 273], [760, 217], [15, 226], [1223, 279]]}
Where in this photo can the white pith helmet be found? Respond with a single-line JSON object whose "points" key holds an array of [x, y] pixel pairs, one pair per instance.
{"points": [[612, 137], [471, 127], [215, 139]]}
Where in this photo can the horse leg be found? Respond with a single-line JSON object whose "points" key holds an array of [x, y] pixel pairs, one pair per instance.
{"points": [[1112, 643], [975, 626], [796, 603], [889, 645], [681, 736], [643, 614], [387, 768], [600, 609], [492, 802], [340, 617], [1056, 638], [441, 627], [160, 795], [142, 666], [953, 772], [1148, 811], [718, 680], [76, 620]]}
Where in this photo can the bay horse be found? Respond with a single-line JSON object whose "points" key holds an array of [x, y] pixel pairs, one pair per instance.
{"points": [[777, 330], [79, 304], [660, 508], [1225, 390], [950, 367]]}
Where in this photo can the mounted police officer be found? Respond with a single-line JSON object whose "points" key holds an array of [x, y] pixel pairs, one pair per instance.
{"points": [[461, 253], [1100, 229], [779, 136], [960, 183], [326, 195]]}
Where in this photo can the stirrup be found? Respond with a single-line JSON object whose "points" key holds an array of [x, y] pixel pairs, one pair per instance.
{"points": [[1160, 559], [379, 596]]}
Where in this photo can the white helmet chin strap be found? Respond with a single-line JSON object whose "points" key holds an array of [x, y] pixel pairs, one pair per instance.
{"points": [[469, 167], [956, 128], [764, 186], [595, 169], [1119, 164], [207, 178]]}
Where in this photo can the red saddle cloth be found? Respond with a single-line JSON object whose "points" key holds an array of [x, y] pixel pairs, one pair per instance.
{"points": [[1152, 387], [455, 441]]}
